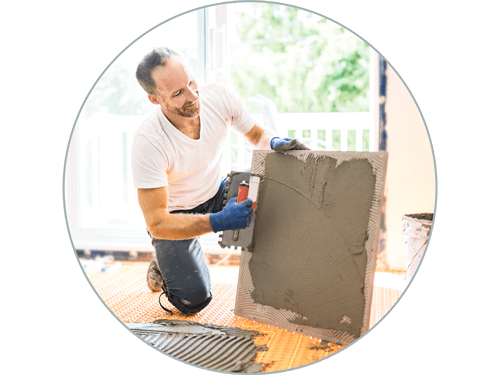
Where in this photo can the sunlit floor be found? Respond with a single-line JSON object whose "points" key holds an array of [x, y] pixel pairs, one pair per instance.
{"points": [[123, 288]]}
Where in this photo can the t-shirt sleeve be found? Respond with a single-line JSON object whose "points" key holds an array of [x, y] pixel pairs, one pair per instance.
{"points": [[149, 165], [241, 120]]}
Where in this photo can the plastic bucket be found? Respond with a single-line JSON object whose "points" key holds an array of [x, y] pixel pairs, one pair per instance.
{"points": [[416, 229]]}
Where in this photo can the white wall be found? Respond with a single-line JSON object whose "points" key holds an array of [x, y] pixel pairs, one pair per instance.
{"points": [[410, 182]]}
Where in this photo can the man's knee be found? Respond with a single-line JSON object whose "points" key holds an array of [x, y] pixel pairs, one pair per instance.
{"points": [[196, 296], [191, 302]]}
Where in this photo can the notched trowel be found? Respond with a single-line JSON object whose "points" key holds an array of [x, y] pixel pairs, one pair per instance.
{"points": [[241, 185]]}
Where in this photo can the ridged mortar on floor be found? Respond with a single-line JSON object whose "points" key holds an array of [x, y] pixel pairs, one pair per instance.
{"points": [[207, 345]]}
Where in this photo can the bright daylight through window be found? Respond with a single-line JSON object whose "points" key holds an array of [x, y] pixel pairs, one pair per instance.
{"points": [[296, 72]]}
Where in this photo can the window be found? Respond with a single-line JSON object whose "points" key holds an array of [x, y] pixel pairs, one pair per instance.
{"points": [[296, 72], [301, 74], [102, 204]]}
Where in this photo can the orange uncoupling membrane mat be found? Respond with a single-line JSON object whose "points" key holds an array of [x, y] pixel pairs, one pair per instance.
{"points": [[125, 292]]}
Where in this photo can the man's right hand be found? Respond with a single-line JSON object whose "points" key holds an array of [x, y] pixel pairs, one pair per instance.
{"points": [[233, 216]]}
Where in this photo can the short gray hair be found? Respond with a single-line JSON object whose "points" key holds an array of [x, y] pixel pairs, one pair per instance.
{"points": [[157, 57]]}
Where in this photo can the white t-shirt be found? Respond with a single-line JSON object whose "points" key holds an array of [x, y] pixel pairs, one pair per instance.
{"points": [[162, 155]]}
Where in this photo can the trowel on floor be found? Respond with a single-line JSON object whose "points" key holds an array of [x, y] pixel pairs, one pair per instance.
{"points": [[241, 185]]}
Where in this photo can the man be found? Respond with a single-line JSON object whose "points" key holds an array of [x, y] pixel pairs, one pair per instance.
{"points": [[176, 164]]}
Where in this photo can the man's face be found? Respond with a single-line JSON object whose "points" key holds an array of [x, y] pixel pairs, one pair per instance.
{"points": [[176, 90]]}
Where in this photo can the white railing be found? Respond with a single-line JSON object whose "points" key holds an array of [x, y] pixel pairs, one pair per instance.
{"points": [[319, 131], [104, 214]]}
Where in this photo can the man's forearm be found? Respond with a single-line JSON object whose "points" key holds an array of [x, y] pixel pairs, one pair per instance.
{"points": [[260, 137], [178, 226]]}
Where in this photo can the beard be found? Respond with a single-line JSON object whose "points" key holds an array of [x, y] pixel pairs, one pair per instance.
{"points": [[187, 110]]}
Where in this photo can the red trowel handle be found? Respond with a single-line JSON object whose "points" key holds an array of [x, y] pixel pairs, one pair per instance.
{"points": [[249, 190], [242, 191]]}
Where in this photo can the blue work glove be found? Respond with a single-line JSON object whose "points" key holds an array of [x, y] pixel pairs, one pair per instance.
{"points": [[233, 216], [286, 144]]}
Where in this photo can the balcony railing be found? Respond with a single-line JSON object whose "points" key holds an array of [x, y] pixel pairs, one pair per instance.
{"points": [[335, 131]]}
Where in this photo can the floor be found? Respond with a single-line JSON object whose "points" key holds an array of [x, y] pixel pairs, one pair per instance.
{"points": [[121, 285]]}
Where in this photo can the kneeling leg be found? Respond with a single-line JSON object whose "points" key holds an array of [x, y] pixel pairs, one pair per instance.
{"points": [[185, 273]]}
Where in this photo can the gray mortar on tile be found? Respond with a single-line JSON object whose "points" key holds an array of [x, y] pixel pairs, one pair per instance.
{"points": [[308, 251]]}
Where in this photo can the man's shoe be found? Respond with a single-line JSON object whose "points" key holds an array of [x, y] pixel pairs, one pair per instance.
{"points": [[154, 278]]}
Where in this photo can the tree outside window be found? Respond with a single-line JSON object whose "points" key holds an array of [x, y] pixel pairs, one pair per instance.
{"points": [[302, 62]]}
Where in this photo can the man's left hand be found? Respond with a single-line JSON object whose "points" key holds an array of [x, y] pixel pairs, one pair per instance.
{"points": [[286, 144]]}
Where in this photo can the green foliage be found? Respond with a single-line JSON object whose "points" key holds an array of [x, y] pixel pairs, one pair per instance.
{"points": [[300, 61]]}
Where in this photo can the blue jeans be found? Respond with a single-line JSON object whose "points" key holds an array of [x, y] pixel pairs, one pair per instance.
{"points": [[186, 279]]}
